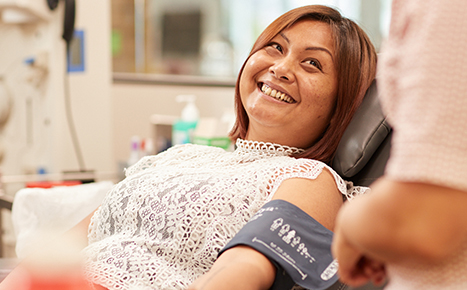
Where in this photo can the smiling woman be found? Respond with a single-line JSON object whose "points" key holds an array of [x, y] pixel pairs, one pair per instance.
{"points": [[300, 86], [297, 64], [164, 225], [337, 50]]}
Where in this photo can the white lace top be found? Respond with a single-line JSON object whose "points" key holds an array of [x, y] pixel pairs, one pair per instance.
{"points": [[163, 225]]}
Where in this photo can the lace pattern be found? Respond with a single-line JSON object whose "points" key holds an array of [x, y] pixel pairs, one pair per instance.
{"points": [[266, 148], [163, 225]]}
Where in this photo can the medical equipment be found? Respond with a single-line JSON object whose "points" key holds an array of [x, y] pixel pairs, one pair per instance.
{"points": [[35, 35], [34, 72], [294, 242]]}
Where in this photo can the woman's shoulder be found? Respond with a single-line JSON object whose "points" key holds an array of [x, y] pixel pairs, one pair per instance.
{"points": [[305, 167], [311, 169]]}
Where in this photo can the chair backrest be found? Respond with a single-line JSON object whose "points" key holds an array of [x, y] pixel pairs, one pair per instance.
{"points": [[363, 152], [364, 148]]}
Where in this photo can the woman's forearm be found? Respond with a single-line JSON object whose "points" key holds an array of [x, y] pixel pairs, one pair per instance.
{"points": [[240, 267]]}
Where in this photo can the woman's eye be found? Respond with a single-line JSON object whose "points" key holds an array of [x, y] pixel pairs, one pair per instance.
{"points": [[315, 63], [277, 46]]}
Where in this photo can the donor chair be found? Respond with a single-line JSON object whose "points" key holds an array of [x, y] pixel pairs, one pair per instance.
{"points": [[363, 151]]}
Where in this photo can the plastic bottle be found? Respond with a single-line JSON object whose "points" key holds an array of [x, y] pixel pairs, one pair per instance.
{"points": [[182, 130], [149, 147], [146, 147], [134, 151]]}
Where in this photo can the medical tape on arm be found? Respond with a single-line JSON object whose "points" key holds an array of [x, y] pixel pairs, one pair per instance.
{"points": [[298, 245]]}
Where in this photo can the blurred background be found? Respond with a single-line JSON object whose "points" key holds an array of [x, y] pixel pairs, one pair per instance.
{"points": [[211, 37], [81, 109]]}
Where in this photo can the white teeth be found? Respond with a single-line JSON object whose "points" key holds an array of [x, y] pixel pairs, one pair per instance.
{"points": [[276, 94]]}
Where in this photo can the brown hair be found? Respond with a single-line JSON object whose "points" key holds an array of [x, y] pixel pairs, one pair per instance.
{"points": [[355, 66]]}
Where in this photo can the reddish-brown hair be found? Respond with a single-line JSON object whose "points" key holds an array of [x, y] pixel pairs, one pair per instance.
{"points": [[355, 66]]}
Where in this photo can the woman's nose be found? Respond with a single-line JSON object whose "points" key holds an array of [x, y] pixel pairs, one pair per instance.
{"points": [[283, 69]]}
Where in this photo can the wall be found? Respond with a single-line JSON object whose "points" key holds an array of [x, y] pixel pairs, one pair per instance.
{"points": [[91, 90]]}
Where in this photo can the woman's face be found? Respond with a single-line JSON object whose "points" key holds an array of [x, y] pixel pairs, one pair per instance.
{"points": [[288, 88]]}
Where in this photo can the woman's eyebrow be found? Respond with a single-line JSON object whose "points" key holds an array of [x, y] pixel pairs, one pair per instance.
{"points": [[311, 47], [284, 37], [321, 49]]}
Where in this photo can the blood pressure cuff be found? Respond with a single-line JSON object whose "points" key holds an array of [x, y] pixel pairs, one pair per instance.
{"points": [[298, 245]]}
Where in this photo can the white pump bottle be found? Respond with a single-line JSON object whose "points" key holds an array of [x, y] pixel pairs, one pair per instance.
{"points": [[183, 128]]}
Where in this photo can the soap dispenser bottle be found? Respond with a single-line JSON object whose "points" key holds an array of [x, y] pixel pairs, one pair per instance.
{"points": [[183, 128]]}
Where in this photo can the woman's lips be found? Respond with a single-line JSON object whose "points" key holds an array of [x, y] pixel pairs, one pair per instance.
{"points": [[278, 95]]}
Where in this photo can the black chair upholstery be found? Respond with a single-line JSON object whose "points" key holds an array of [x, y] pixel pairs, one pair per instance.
{"points": [[363, 152]]}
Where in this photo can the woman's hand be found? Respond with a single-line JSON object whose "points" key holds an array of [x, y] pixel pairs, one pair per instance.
{"points": [[240, 267]]}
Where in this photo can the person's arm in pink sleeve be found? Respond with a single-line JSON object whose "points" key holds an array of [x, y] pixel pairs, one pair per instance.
{"points": [[398, 223]]}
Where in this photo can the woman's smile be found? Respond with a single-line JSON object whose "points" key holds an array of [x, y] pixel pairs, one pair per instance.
{"points": [[276, 94]]}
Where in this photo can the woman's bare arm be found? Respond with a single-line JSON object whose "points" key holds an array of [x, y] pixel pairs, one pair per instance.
{"points": [[242, 267], [319, 198]]}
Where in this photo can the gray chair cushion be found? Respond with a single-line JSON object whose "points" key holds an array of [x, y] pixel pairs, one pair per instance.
{"points": [[363, 139]]}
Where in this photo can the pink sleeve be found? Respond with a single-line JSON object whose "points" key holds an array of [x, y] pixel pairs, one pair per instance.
{"points": [[423, 81]]}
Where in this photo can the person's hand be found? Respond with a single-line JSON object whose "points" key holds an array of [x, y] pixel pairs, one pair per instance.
{"points": [[388, 227], [355, 269]]}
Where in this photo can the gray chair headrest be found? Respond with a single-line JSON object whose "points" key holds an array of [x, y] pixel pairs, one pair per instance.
{"points": [[364, 135]]}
